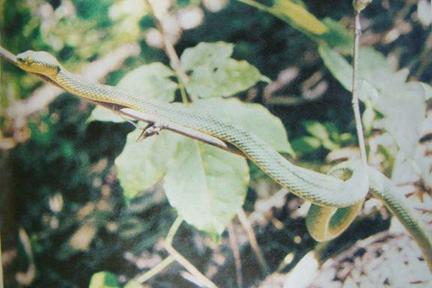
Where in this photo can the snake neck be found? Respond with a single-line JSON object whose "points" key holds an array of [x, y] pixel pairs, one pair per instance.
{"points": [[96, 92]]}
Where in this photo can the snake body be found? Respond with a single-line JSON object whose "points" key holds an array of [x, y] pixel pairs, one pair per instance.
{"points": [[335, 202]]}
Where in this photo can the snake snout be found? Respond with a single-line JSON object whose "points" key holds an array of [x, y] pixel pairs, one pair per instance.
{"points": [[39, 62]]}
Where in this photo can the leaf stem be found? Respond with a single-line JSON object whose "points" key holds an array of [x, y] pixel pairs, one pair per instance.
{"points": [[168, 260], [355, 89], [189, 266], [236, 253], [183, 93], [173, 230], [155, 270], [253, 242]]}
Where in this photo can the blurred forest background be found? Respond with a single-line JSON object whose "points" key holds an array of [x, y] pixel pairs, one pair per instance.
{"points": [[64, 216]]}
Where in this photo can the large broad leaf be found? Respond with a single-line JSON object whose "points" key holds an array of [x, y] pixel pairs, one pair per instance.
{"points": [[251, 117], [150, 81], [206, 185], [104, 280], [214, 74], [143, 163], [404, 111], [206, 54]]}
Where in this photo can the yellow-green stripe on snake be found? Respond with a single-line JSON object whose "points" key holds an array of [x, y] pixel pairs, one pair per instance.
{"points": [[327, 193]]}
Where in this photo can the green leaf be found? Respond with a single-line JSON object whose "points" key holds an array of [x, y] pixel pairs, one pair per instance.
{"points": [[337, 65], [329, 145], [150, 81], [372, 60], [206, 185], [214, 54], [214, 74], [298, 17], [337, 36], [367, 92], [104, 280], [320, 132], [422, 89], [294, 14], [402, 104], [368, 117], [251, 117], [306, 144], [316, 129], [143, 163], [327, 31], [404, 112]]}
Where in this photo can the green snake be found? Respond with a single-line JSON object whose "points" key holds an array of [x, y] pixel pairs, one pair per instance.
{"points": [[335, 202]]}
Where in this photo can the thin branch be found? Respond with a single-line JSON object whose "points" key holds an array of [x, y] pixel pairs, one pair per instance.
{"points": [[168, 260], [8, 56], [236, 253], [27, 277], [175, 127], [173, 230], [155, 270], [291, 101], [253, 241], [189, 267], [359, 5], [172, 55]]}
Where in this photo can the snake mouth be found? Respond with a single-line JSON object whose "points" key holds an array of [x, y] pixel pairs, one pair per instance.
{"points": [[24, 62]]}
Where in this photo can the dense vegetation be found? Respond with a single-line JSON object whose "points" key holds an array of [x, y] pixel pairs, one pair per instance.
{"points": [[81, 195]]}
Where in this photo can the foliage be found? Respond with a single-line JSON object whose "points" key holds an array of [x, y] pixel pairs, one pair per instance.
{"points": [[103, 280], [77, 178], [214, 74], [206, 185], [402, 104], [328, 30], [319, 136]]}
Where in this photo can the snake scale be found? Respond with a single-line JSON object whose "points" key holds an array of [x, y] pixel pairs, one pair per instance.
{"points": [[335, 202]]}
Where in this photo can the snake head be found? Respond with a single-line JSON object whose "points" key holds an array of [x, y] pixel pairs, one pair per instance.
{"points": [[38, 62]]}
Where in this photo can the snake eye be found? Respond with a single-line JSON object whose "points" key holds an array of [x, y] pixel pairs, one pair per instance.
{"points": [[24, 59]]}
